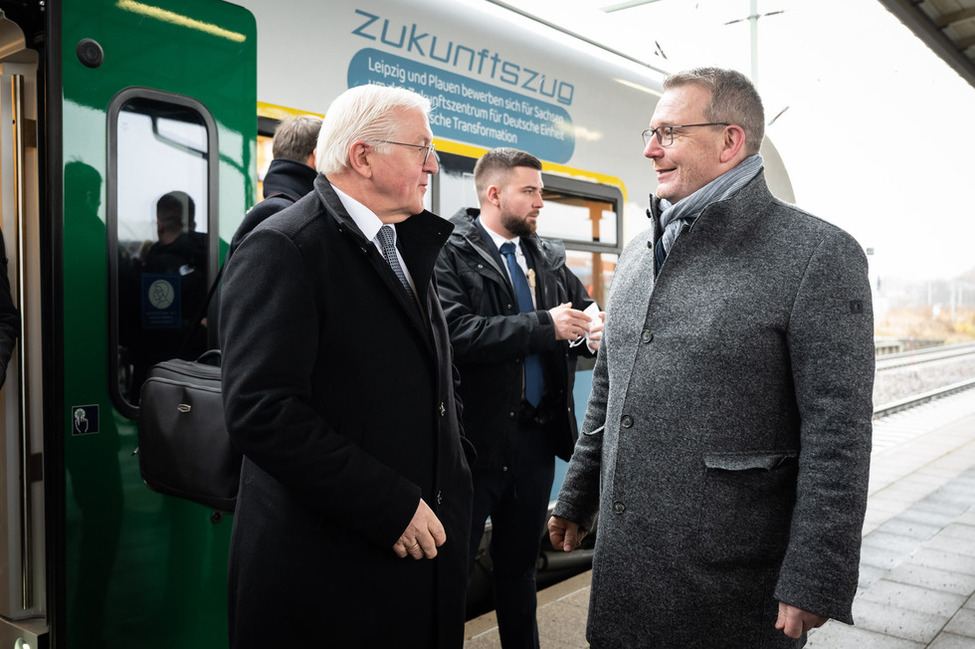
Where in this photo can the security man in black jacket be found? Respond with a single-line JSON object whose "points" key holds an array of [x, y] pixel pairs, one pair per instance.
{"points": [[515, 313], [290, 175]]}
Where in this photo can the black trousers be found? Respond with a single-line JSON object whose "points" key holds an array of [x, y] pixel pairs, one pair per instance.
{"points": [[516, 499]]}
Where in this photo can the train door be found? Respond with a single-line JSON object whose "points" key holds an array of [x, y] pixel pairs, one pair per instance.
{"points": [[115, 105], [158, 119], [23, 575]]}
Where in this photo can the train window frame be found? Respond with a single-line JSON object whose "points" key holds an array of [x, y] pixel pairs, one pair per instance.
{"points": [[112, 191], [266, 126]]}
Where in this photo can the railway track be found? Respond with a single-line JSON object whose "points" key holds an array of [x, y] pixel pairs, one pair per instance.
{"points": [[924, 397], [927, 355]]}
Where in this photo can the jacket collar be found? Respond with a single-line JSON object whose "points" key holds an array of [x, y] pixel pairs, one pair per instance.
{"points": [[422, 235], [547, 253], [754, 190], [289, 177], [426, 223]]}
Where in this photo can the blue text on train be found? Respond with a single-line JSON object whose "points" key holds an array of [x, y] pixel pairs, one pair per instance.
{"points": [[412, 38]]}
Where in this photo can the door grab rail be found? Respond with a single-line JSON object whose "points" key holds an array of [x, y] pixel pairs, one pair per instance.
{"points": [[26, 520]]}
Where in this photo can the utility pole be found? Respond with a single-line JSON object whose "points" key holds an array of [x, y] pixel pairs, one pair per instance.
{"points": [[752, 18], [753, 29]]}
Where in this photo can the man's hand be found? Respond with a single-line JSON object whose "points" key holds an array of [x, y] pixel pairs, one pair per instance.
{"points": [[794, 621], [565, 534], [596, 330], [570, 324], [423, 536]]}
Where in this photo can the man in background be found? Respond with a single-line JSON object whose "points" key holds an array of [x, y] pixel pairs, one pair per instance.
{"points": [[291, 173], [513, 307], [173, 326]]}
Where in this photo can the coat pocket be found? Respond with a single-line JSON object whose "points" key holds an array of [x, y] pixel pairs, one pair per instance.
{"points": [[746, 506]]}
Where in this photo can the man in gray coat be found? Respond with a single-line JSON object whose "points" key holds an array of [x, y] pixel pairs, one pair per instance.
{"points": [[726, 443]]}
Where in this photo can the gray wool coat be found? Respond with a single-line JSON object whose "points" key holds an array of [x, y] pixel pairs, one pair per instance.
{"points": [[726, 445]]}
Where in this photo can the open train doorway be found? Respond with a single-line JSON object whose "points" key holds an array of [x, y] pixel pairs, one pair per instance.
{"points": [[22, 536]]}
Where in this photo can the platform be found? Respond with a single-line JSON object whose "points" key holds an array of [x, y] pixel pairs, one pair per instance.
{"points": [[917, 570]]}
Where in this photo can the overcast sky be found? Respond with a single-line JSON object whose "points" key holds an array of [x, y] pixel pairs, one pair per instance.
{"points": [[879, 135]]}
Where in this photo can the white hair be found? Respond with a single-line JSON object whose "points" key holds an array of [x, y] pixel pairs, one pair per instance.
{"points": [[362, 113]]}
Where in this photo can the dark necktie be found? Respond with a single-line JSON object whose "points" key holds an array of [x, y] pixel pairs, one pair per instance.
{"points": [[534, 383], [386, 237], [658, 255]]}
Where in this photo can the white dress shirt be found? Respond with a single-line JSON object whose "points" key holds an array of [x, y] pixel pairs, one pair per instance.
{"points": [[519, 257], [369, 224]]}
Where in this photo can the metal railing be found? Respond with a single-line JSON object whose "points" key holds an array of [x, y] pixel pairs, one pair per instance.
{"points": [[924, 397]]}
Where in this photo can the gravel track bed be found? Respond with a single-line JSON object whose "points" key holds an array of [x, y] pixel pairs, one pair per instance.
{"points": [[901, 382]]}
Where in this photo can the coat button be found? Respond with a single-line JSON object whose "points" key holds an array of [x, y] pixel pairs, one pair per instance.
{"points": [[618, 507], [626, 421], [443, 409], [439, 497], [646, 336]]}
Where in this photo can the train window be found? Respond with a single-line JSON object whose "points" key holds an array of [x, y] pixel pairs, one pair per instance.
{"points": [[453, 187], [577, 218], [585, 215], [595, 271], [161, 200]]}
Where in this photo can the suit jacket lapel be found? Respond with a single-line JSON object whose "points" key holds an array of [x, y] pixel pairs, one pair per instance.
{"points": [[422, 237]]}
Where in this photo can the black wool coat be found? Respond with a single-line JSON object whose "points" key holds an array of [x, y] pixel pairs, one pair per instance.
{"points": [[284, 183], [340, 395], [491, 340]]}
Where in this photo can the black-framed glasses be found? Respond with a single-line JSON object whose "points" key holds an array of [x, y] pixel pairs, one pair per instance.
{"points": [[427, 148], [665, 132]]}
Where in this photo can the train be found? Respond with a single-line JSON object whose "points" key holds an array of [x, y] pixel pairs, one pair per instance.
{"points": [[106, 105]]}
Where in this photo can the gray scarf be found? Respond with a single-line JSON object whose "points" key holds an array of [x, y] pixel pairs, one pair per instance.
{"points": [[676, 217]]}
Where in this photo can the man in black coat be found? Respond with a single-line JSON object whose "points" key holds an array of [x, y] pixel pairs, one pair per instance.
{"points": [[290, 175], [178, 261], [517, 369], [354, 506]]}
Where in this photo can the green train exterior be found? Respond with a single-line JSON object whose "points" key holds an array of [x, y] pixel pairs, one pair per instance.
{"points": [[112, 103]]}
